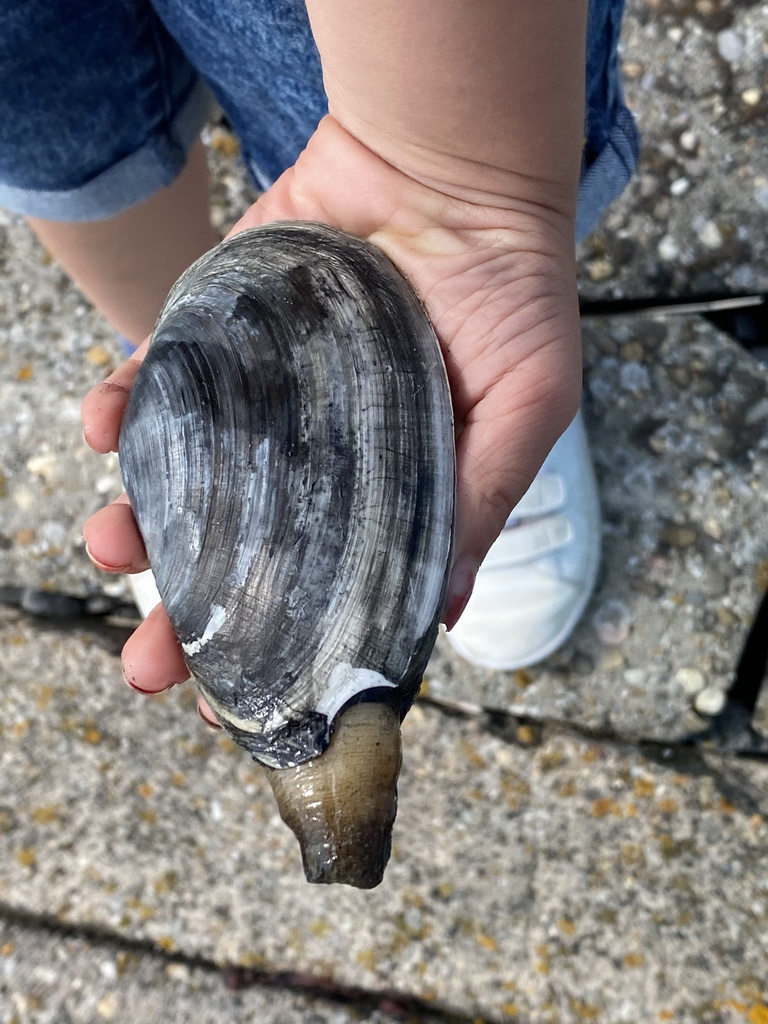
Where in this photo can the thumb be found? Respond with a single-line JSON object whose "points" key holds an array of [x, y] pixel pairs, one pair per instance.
{"points": [[500, 449], [103, 407]]}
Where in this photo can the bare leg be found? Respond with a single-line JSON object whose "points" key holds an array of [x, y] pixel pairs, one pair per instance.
{"points": [[126, 264]]}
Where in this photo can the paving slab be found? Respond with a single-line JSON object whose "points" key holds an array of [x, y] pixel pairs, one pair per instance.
{"points": [[536, 883], [678, 420]]}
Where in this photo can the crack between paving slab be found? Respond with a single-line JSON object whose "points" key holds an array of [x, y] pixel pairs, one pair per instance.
{"points": [[397, 1006], [532, 730], [111, 621], [730, 735], [684, 756], [742, 316]]}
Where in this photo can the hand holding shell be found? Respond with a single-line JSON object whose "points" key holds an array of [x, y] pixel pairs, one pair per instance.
{"points": [[288, 452]]}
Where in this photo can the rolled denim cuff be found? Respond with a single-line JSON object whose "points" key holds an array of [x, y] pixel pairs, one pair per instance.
{"points": [[608, 174], [130, 181]]}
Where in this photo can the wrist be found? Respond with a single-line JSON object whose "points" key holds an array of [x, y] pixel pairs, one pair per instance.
{"points": [[443, 203], [474, 180], [482, 99]]}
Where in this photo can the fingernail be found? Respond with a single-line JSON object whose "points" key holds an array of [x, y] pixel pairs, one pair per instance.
{"points": [[138, 689], [103, 565], [208, 722], [460, 585]]}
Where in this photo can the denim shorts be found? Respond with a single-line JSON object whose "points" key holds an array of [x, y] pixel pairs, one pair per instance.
{"points": [[100, 100]]}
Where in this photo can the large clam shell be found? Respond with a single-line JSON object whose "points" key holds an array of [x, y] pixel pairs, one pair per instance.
{"points": [[288, 453]]}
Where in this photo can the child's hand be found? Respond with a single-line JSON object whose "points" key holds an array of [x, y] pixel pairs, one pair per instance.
{"points": [[497, 277]]}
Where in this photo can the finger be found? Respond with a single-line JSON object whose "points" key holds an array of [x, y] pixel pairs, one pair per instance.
{"points": [[103, 406], [205, 712], [112, 539], [152, 657]]}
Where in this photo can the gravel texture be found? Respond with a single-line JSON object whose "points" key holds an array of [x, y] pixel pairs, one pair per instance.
{"points": [[693, 220]]}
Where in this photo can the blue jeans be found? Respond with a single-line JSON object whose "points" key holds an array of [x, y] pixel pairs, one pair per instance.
{"points": [[100, 100]]}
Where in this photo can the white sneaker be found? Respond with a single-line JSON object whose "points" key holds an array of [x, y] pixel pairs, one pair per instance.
{"points": [[536, 580]]}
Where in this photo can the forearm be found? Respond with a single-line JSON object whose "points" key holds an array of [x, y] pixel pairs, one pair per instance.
{"points": [[482, 97]]}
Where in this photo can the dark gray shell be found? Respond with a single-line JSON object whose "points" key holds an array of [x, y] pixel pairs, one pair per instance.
{"points": [[288, 453]]}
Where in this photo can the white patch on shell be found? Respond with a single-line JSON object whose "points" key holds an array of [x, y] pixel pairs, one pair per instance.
{"points": [[346, 682], [215, 622], [276, 720]]}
